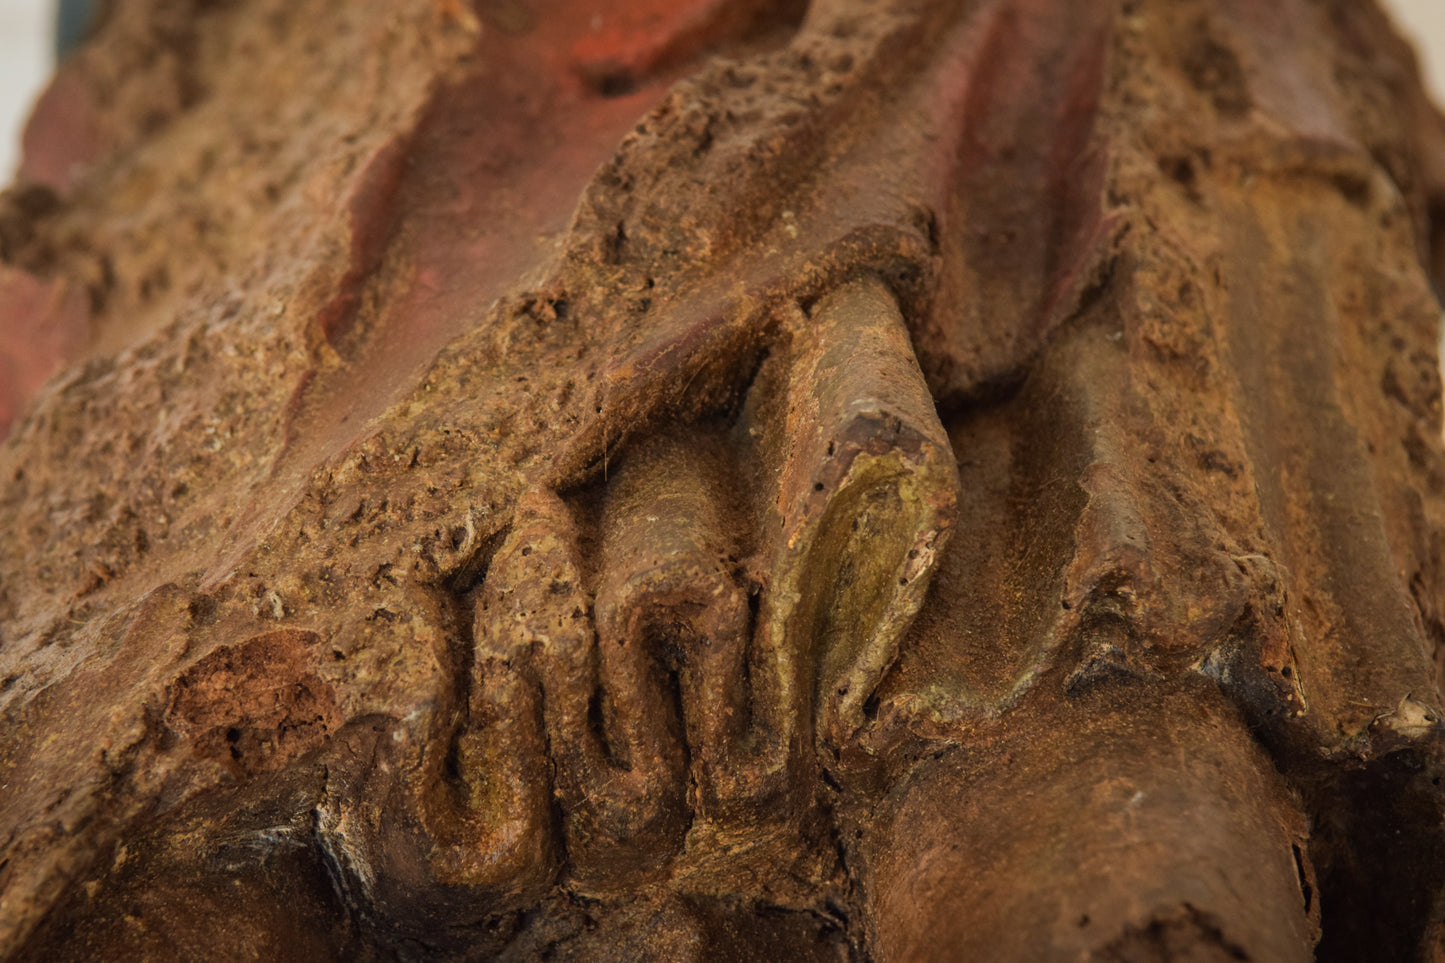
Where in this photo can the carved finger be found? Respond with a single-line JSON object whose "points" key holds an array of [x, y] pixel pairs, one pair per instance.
{"points": [[494, 829], [491, 816], [865, 491], [669, 609], [616, 821], [541, 605]]}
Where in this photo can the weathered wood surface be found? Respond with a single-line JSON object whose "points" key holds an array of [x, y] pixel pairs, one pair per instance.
{"points": [[902, 480]]}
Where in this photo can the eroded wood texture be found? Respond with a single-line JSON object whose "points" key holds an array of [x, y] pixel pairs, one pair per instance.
{"points": [[901, 480]]}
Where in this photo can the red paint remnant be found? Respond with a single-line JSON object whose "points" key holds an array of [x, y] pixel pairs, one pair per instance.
{"points": [[43, 323], [257, 705], [61, 137], [475, 195], [630, 42], [372, 209]]}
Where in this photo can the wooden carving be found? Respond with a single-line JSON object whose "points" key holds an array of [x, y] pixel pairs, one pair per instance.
{"points": [[897, 480]]}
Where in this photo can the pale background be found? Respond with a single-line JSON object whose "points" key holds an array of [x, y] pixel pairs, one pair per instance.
{"points": [[25, 59]]}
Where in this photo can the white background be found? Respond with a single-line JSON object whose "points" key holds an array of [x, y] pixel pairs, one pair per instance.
{"points": [[1423, 21], [25, 59]]}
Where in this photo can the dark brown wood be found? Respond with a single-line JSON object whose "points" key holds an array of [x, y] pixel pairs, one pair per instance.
{"points": [[896, 480]]}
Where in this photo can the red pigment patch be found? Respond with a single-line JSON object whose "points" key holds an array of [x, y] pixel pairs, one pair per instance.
{"points": [[43, 323], [62, 136], [257, 705], [471, 201], [629, 42], [372, 209]]}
